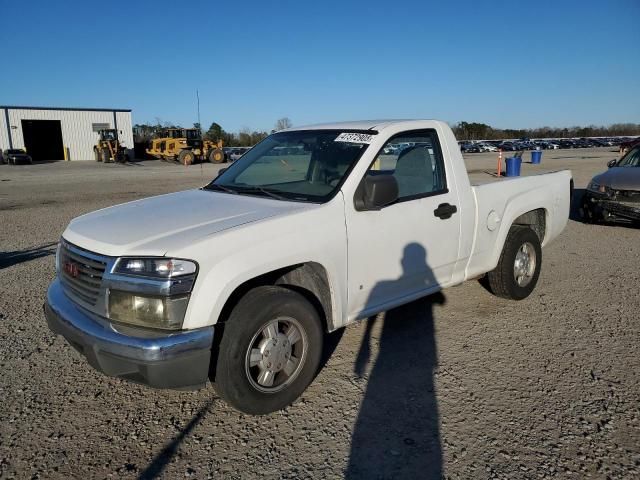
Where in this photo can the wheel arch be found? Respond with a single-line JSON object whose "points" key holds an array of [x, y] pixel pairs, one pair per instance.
{"points": [[536, 220], [310, 279]]}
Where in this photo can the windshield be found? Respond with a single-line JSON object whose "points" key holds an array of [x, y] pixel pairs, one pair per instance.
{"points": [[305, 165], [108, 135], [631, 159], [193, 134]]}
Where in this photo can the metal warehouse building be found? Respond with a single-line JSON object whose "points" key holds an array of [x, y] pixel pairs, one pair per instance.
{"points": [[61, 133]]}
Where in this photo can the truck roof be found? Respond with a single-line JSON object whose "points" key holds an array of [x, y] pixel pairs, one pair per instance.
{"points": [[355, 125]]}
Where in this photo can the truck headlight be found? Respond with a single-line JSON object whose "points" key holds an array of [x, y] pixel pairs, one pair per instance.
{"points": [[150, 291], [155, 267], [148, 311]]}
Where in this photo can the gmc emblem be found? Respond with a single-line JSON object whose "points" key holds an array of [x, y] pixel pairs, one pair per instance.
{"points": [[71, 269]]}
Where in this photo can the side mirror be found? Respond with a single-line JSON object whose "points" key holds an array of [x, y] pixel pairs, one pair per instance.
{"points": [[612, 163], [376, 191], [221, 171]]}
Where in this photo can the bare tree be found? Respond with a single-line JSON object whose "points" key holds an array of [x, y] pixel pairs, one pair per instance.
{"points": [[283, 123]]}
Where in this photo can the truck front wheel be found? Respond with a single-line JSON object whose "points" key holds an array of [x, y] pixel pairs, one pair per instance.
{"points": [[270, 350], [518, 269], [186, 157]]}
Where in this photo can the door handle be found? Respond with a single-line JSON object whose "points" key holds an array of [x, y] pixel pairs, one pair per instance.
{"points": [[445, 211]]}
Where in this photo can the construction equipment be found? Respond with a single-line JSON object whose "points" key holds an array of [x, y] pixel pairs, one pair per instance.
{"points": [[158, 145], [185, 145], [109, 148]]}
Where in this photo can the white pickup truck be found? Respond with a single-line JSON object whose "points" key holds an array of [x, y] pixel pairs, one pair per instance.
{"points": [[312, 229]]}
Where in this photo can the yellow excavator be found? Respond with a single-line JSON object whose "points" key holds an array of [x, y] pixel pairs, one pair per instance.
{"points": [[109, 149], [185, 145]]}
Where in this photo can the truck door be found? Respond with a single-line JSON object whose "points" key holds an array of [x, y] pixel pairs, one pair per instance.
{"points": [[410, 247]]}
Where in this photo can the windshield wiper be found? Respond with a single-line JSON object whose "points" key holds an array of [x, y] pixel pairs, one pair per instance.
{"points": [[215, 186], [270, 193]]}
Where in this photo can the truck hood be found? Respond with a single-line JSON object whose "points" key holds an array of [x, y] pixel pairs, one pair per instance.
{"points": [[156, 225], [620, 178]]}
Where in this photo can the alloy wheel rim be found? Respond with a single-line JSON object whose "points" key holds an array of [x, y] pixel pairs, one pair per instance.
{"points": [[276, 354], [524, 265]]}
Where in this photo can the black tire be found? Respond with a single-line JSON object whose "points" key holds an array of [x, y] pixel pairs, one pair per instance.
{"points": [[186, 157], [97, 155], [106, 157], [216, 156], [502, 280], [255, 310]]}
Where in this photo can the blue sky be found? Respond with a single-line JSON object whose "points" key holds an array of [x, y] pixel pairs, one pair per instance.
{"points": [[509, 64]]}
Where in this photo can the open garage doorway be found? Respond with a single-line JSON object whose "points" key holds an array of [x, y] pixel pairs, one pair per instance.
{"points": [[43, 139]]}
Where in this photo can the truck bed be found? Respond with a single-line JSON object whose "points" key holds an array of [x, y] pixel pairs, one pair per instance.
{"points": [[482, 169]]}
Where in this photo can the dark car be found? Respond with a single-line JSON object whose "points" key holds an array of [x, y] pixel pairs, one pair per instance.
{"points": [[469, 148], [566, 143], [507, 147], [628, 145], [614, 195], [14, 156]]}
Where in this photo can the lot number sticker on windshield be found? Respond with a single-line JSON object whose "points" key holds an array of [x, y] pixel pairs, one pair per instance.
{"points": [[354, 138]]}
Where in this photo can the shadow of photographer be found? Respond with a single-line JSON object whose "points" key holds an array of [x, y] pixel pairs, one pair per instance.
{"points": [[397, 429]]}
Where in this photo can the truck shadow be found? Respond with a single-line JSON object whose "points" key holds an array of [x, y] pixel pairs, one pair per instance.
{"points": [[574, 212], [11, 258], [396, 434]]}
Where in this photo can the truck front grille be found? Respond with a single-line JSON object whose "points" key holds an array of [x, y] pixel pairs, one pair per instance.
{"points": [[81, 273]]}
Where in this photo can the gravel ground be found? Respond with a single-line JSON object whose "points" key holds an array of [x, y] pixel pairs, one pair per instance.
{"points": [[458, 385]]}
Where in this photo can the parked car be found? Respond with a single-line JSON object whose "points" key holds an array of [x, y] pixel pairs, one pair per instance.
{"points": [[615, 194], [628, 145], [507, 147], [486, 147], [469, 147], [544, 145], [242, 286], [236, 153], [15, 156], [565, 143]]}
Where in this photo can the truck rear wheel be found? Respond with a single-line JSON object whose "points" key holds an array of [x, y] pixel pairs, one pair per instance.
{"points": [[106, 156], [270, 350], [186, 157], [518, 269]]}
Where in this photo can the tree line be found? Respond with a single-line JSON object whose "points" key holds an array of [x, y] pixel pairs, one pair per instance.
{"points": [[482, 131], [144, 132], [463, 131]]}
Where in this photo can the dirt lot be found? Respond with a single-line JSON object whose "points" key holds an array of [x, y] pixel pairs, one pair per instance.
{"points": [[461, 385]]}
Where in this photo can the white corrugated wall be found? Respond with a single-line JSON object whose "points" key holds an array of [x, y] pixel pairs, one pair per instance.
{"points": [[77, 133], [125, 126], [4, 129]]}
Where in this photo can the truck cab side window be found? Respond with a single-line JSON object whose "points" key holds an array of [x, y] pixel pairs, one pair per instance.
{"points": [[416, 163]]}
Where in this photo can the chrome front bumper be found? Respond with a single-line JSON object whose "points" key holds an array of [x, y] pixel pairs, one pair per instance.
{"points": [[159, 359]]}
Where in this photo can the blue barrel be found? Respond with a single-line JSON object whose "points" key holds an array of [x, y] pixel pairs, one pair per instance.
{"points": [[536, 156], [513, 166]]}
